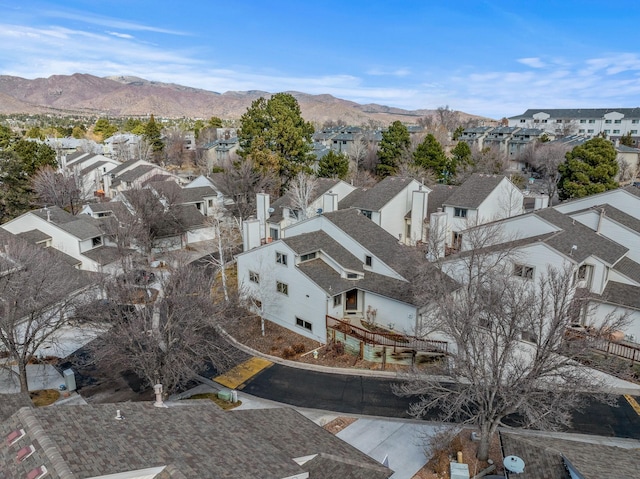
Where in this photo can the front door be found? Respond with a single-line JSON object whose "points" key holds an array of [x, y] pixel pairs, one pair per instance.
{"points": [[351, 303]]}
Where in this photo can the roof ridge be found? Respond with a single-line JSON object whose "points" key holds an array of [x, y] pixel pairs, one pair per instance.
{"points": [[36, 431]]}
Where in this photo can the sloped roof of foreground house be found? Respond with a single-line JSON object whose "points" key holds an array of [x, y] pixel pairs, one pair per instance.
{"points": [[374, 198], [549, 457], [190, 441], [474, 190]]}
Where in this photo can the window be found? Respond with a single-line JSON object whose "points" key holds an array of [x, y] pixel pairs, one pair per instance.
{"points": [[590, 130], [368, 260], [294, 214], [617, 121], [544, 121], [304, 324], [558, 121], [581, 130], [616, 131], [352, 275], [337, 300], [607, 121], [97, 241], [634, 132], [522, 120], [592, 121], [282, 288], [254, 277], [523, 271], [583, 121], [634, 122], [308, 256], [607, 131], [457, 240], [273, 232], [210, 203], [366, 213], [281, 258], [460, 212]]}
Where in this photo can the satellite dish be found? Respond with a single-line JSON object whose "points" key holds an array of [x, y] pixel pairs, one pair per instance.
{"points": [[319, 211], [270, 210], [514, 464]]}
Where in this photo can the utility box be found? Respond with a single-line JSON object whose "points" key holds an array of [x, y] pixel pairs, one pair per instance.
{"points": [[69, 379], [459, 471]]}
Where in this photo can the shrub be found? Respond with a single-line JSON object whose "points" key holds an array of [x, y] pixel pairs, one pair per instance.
{"points": [[299, 348], [288, 352]]}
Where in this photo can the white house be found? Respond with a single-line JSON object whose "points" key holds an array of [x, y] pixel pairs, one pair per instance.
{"points": [[93, 170], [480, 199], [338, 264], [276, 216], [79, 237]]}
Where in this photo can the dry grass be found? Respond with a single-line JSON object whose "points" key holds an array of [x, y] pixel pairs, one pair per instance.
{"points": [[44, 397], [226, 405], [338, 424]]}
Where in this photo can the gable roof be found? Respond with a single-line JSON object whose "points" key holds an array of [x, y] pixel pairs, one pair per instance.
{"points": [[194, 440], [323, 185], [374, 198], [587, 242], [373, 238], [439, 195], [577, 113], [548, 457], [474, 191], [321, 241], [81, 226]]}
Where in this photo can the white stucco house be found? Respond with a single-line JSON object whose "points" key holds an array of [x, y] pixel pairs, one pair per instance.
{"points": [[597, 237], [79, 237], [338, 264]]}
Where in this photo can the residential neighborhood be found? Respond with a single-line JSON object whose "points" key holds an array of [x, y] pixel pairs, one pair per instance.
{"points": [[413, 274]]}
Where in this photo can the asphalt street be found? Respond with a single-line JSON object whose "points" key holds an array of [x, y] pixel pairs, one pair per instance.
{"points": [[373, 397]]}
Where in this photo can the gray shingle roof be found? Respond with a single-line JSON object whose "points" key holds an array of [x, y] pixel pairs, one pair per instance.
{"points": [[10, 403], [375, 239], [193, 441], [620, 294], [621, 217], [332, 283], [629, 268], [545, 457], [323, 185], [587, 241], [93, 166], [82, 226], [123, 166], [34, 236], [380, 194], [474, 191], [438, 196], [321, 241], [578, 113], [104, 255], [135, 173]]}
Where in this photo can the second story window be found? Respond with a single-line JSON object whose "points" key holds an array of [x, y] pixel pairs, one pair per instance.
{"points": [[368, 260], [366, 213], [282, 288], [308, 256], [523, 271], [254, 277], [281, 258], [97, 241], [460, 212]]}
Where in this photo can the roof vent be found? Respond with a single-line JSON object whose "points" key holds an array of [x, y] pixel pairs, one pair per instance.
{"points": [[514, 464], [119, 416]]}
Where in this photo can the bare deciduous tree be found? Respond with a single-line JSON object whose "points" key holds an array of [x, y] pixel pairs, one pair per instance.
{"points": [[510, 358], [545, 158], [302, 188], [38, 293], [59, 189], [241, 182], [170, 337]]}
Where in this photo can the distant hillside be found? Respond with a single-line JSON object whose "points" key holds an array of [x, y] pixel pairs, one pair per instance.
{"points": [[133, 96]]}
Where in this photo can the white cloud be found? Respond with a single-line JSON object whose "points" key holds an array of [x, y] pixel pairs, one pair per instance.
{"points": [[533, 62], [400, 72], [121, 35]]}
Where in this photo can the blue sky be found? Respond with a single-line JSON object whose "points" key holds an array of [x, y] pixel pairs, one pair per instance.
{"points": [[490, 58]]}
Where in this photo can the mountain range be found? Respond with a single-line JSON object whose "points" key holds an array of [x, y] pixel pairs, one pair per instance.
{"points": [[84, 94]]}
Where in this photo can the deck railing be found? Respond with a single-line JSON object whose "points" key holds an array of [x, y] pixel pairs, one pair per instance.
{"points": [[395, 340]]}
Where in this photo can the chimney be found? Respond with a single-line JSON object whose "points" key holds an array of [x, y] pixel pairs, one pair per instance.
{"points": [[49, 215]]}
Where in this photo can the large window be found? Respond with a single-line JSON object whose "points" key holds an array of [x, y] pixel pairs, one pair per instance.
{"points": [[282, 288], [281, 258], [460, 212], [304, 324], [523, 271], [607, 121]]}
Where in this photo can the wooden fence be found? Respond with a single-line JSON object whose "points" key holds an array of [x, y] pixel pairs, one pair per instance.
{"points": [[395, 340], [619, 349]]}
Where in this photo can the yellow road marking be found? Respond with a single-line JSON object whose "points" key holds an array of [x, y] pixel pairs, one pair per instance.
{"points": [[237, 376], [634, 403]]}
